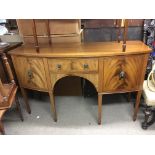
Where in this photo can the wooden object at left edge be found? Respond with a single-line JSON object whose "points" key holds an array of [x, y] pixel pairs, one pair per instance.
{"points": [[5, 50], [8, 93]]}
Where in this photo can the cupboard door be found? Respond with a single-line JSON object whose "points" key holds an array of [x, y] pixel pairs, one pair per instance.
{"points": [[30, 72], [123, 73]]}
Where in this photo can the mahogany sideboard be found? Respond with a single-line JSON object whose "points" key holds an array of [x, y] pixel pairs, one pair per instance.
{"points": [[102, 63]]}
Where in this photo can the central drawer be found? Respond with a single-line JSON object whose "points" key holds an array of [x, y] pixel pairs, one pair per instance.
{"points": [[73, 65]]}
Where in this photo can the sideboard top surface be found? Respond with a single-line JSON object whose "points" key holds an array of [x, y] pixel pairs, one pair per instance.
{"points": [[94, 49]]}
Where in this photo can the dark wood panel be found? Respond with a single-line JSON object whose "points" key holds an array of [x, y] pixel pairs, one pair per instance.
{"points": [[136, 22], [68, 86], [110, 34], [99, 23]]}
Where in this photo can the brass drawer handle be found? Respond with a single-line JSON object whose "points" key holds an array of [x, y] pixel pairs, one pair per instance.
{"points": [[85, 66], [30, 74], [121, 75], [58, 66]]}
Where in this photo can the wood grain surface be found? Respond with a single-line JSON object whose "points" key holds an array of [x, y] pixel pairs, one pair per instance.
{"points": [[26, 66], [130, 65], [95, 49], [102, 63]]}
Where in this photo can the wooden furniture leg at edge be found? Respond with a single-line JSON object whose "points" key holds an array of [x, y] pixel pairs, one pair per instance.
{"points": [[99, 108], [19, 109], [26, 100], [2, 128], [139, 93], [129, 96], [53, 108]]}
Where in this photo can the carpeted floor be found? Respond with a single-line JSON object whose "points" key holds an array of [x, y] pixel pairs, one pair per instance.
{"points": [[76, 115]]}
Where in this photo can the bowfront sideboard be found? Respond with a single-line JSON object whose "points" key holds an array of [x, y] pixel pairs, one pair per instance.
{"points": [[104, 64]]}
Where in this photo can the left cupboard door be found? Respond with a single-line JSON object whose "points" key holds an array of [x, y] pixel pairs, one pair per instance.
{"points": [[30, 72]]}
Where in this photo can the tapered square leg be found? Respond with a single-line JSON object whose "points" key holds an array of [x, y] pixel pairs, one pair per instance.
{"points": [[26, 100], [129, 97], [53, 107], [2, 128], [99, 108], [139, 93], [18, 108]]}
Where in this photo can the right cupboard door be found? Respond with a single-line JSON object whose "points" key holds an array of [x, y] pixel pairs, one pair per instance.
{"points": [[124, 73]]}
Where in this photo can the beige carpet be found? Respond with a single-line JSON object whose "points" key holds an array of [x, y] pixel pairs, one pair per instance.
{"points": [[77, 115]]}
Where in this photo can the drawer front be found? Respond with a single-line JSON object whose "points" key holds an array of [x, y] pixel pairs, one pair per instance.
{"points": [[59, 65], [123, 73], [85, 65], [30, 72], [73, 65]]}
